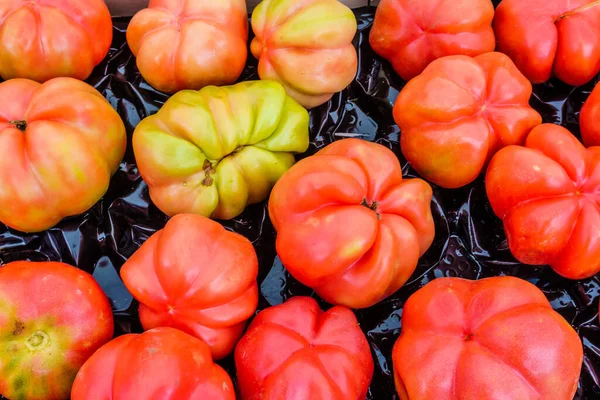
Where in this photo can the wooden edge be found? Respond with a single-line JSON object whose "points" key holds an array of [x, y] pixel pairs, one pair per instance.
{"points": [[127, 8]]}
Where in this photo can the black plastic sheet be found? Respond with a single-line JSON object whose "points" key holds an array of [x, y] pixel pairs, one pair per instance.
{"points": [[469, 242]]}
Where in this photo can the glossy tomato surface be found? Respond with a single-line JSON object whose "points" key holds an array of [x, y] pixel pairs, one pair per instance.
{"points": [[548, 195], [181, 44], [214, 151], [306, 45], [196, 276], [45, 39], [53, 317], [295, 351], [413, 33], [456, 114], [162, 363], [546, 37], [348, 225], [589, 119], [496, 338], [60, 143]]}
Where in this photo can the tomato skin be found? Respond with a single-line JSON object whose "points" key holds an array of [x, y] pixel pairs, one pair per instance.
{"points": [[162, 363], [46, 338], [456, 114], [41, 40], [564, 40], [495, 338], [60, 143], [546, 193], [306, 45], [589, 119], [214, 151], [182, 44], [411, 34], [295, 351], [330, 238], [196, 276]]}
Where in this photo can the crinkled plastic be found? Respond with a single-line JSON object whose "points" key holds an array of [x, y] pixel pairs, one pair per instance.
{"points": [[469, 242]]}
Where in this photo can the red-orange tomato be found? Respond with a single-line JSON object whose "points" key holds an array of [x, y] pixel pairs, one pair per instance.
{"points": [[413, 33], [348, 225], [496, 338], [547, 193], [589, 119], [545, 37], [44, 39], [60, 143], [196, 276], [181, 44], [53, 317], [160, 364], [296, 351], [459, 112]]}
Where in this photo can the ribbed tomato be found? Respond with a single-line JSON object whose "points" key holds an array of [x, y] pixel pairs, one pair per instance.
{"points": [[589, 119]]}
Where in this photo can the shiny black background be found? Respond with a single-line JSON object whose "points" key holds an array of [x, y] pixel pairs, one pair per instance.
{"points": [[469, 243]]}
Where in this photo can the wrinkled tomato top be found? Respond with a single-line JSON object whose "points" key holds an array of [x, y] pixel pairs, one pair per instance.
{"points": [[196, 276], [297, 351], [413, 33], [551, 36], [488, 339], [456, 114]]}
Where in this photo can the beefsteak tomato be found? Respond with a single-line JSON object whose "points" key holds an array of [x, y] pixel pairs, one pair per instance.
{"points": [[589, 119], [162, 363], [182, 44], [551, 36], [496, 338], [296, 351], [348, 225], [60, 142], [307, 46], [196, 276], [413, 33], [459, 112], [214, 151], [53, 317], [547, 193], [45, 39]]}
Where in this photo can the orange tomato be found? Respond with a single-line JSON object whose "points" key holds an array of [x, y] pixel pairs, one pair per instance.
{"points": [[60, 142], [195, 276], [496, 338], [413, 33], [459, 112], [348, 225], [589, 119], [551, 36], [45, 39], [306, 45], [296, 351], [547, 194], [182, 44]]}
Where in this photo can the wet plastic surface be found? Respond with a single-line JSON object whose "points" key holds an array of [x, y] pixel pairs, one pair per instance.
{"points": [[469, 243]]}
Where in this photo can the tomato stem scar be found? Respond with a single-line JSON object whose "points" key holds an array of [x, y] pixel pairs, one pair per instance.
{"points": [[372, 206], [37, 340], [19, 124], [578, 9], [208, 170]]}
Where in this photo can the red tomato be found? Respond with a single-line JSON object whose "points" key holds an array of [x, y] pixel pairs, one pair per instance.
{"points": [[53, 317], [413, 33], [44, 39], [551, 36], [60, 143], [547, 193], [160, 364], [181, 44], [295, 351], [589, 119], [496, 338], [348, 225], [459, 112], [196, 276]]}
